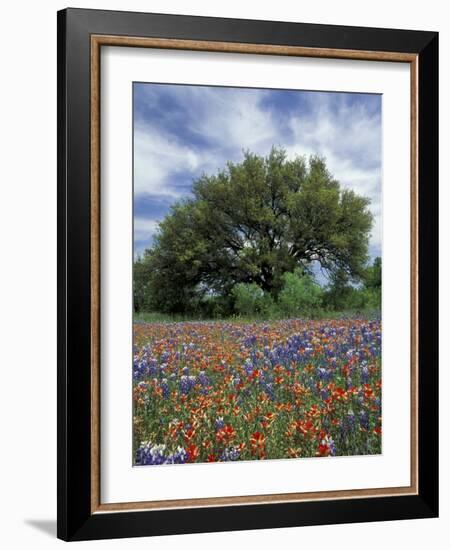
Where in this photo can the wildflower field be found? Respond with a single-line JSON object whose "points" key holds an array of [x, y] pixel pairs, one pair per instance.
{"points": [[228, 390]]}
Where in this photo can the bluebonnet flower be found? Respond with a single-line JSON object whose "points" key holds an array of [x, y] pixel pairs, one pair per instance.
{"points": [[350, 418], [268, 388], [180, 456], [236, 381], [248, 367], [151, 455], [230, 454], [331, 446], [162, 370], [164, 356], [348, 423], [364, 420], [322, 374], [152, 367], [324, 394], [165, 388], [219, 423], [250, 341], [140, 369], [203, 379], [364, 373], [251, 371], [184, 385]]}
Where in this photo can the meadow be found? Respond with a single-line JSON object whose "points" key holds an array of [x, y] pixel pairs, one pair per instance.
{"points": [[214, 391]]}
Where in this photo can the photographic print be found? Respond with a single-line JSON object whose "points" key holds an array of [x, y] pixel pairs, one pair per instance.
{"points": [[247, 274], [257, 274]]}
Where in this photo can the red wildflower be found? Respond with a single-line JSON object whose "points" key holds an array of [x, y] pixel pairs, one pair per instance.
{"points": [[193, 453], [225, 434], [323, 450], [258, 444], [189, 435]]}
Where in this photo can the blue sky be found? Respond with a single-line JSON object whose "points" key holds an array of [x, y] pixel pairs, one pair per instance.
{"points": [[183, 131]]}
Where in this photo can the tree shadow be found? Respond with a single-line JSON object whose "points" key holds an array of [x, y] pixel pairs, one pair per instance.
{"points": [[47, 526]]}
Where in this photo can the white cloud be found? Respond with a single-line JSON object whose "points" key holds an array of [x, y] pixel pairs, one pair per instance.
{"points": [[230, 120], [235, 119], [350, 140], [156, 157], [144, 229]]}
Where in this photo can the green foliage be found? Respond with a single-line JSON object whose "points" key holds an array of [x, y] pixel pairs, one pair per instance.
{"points": [[251, 300], [372, 283], [300, 296], [250, 224], [216, 307], [141, 285], [340, 295]]}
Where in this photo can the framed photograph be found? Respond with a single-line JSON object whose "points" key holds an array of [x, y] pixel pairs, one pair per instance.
{"points": [[247, 255]]}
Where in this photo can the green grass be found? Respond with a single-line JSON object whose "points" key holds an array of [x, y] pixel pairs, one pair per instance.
{"points": [[157, 317]]}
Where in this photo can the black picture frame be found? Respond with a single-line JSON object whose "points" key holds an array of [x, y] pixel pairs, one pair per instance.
{"points": [[75, 519]]}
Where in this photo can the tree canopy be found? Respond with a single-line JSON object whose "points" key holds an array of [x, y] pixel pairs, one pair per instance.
{"points": [[251, 223]]}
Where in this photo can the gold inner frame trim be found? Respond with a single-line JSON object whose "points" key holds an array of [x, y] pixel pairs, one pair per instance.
{"points": [[97, 41]]}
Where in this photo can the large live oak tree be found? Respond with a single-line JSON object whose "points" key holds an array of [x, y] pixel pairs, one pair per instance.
{"points": [[252, 222]]}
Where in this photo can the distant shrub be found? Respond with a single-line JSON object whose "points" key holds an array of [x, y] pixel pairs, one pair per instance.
{"points": [[251, 300], [371, 298], [343, 295], [300, 296], [216, 307], [352, 299]]}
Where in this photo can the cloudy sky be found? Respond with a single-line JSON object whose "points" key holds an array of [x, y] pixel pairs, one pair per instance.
{"points": [[181, 132]]}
